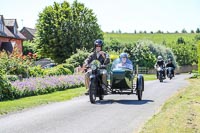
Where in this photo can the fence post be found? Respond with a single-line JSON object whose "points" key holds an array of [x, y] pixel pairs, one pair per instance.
{"points": [[136, 69]]}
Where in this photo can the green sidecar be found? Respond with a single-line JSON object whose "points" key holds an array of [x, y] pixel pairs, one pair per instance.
{"points": [[125, 80]]}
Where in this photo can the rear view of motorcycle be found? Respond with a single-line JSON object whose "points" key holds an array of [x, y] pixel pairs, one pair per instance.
{"points": [[169, 72]]}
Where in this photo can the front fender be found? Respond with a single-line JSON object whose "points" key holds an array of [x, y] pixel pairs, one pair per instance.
{"points": [[140, 82]]}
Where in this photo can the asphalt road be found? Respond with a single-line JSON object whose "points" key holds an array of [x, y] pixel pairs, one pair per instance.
{"points": [[115, 114]]}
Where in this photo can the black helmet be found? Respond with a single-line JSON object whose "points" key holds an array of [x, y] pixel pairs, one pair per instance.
{"points": [[122, 55], [169, 60], [98, 42]]}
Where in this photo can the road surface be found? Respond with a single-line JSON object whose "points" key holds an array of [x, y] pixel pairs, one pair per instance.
{"points": [[115, 114]]}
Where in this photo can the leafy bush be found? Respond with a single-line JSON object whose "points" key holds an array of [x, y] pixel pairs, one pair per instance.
{"points": [[78, 58], [199, 57], [185, 53], [15, 63], [180, 40], [36, 71], [141, 55], [29, 47], [197, 37], [68, 66], [58, 70], [12, 77], [6, 90]]}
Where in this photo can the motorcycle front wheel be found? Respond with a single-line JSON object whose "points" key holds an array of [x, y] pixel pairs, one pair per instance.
{"points": [[92, 91], [160, 77]]}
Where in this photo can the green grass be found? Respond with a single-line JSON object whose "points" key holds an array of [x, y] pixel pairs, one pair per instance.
{"points": [[148, 77], [156, 38], [180, 114], [19, 104]]}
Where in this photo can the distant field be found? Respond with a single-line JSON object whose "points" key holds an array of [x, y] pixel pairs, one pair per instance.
{"points": [[156, 38]]}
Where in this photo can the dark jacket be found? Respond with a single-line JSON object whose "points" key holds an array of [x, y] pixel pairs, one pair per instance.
{"points": [[160, 64], [93, 56], [170, 65]]}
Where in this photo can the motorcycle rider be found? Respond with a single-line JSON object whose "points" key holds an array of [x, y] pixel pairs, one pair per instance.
{"points": [[160, 63], [104, 59], [124, 61], [170, 64]]}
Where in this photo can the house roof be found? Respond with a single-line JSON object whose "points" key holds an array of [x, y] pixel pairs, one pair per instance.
{"points": [[10, 22], [30, 30], [2, 19], [19, 35], [6, 32]]}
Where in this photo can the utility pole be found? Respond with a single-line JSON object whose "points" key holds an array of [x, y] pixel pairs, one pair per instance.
{"points": [[22, 22]]}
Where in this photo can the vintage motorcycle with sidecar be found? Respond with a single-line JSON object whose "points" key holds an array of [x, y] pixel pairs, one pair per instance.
{"points": [[123, 80]]}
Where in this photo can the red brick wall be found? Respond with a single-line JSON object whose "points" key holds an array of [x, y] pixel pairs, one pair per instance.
{"points": [[18, 42]]}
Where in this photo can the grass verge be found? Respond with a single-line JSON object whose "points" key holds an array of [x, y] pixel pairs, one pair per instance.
{"points": [[180, 114], [22, 103], [148, 77]]}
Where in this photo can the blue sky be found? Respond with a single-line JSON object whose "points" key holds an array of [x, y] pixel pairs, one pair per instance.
{"points": [[126, 15]]}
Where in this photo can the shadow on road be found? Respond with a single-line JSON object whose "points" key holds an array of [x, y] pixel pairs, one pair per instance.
{"points": [[126, 102]]}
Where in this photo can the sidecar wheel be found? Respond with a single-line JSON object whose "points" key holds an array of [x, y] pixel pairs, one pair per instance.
{"points": [[139, 94], [140, 87], [92, 91]]}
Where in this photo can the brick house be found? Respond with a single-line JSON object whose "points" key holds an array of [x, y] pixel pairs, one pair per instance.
{"points": [[10, 37], [29, 33]]}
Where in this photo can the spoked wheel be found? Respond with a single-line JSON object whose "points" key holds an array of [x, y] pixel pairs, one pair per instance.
{"points": [[92, 91]]}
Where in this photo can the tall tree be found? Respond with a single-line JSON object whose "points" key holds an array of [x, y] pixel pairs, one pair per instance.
{"points": [[198, 45], [183, 31], [198, 30], [61, 29]]}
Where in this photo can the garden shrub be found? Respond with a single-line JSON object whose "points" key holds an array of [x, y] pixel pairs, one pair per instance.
{"points": [[68, 66], [15, 63], [12, 77], [58, 70], [6, 89], [36, 71], [198, 57], [78, 58]]}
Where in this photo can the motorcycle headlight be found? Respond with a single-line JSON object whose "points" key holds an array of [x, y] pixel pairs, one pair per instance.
{"points": [[159, 69], [93, 67]]}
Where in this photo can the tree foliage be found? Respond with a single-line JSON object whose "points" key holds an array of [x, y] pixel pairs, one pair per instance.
{"points": [[198, 30], [78, 58], [185, 53], [199, 57], [62, 28], [29, 47]]}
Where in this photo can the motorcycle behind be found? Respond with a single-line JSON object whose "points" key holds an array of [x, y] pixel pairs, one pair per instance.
{"points": [[160, 72], [169, 72]]}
